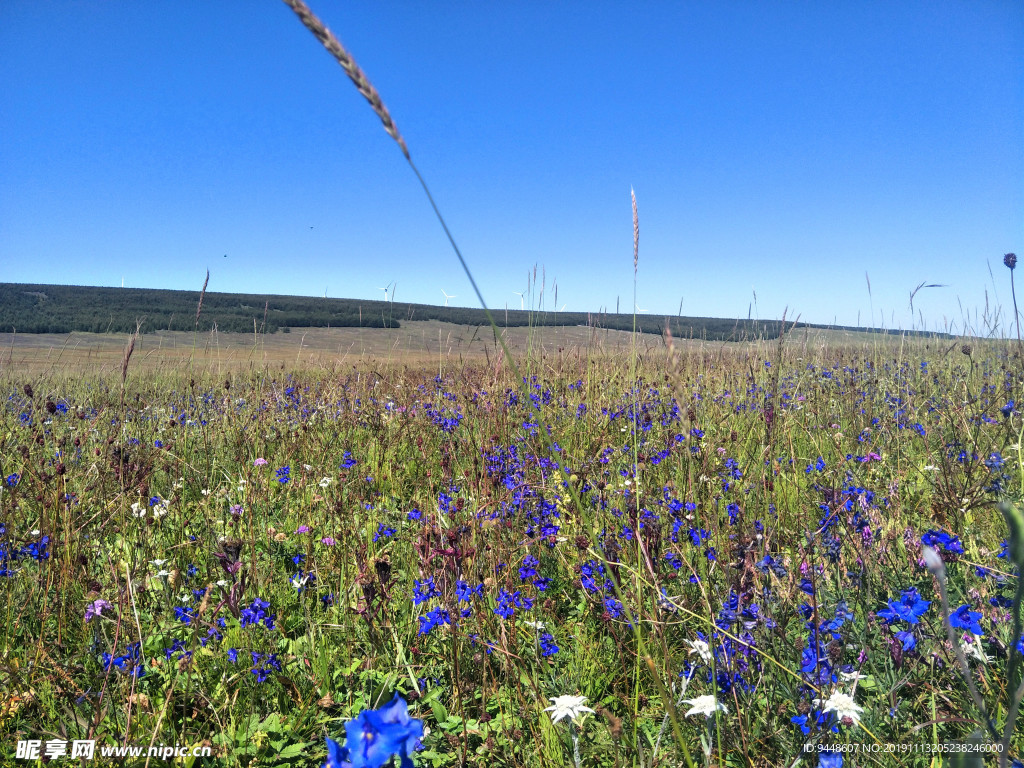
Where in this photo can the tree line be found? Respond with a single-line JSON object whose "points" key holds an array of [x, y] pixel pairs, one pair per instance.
{"points": [[28, 308]]}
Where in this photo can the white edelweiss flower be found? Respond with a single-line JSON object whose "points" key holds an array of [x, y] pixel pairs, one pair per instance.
{"points": [[705, 705], [157, 563], [163, 573], [326, 481], [205, 491], [222, 583], [307, 467], [847, 677], [701, 648], [35, 531], [843, 705], [161, 508], [975, 650], [534, 624], [138, 510], [570, 707]]}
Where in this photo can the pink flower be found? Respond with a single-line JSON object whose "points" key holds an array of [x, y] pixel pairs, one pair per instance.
{"points": [[259, 462], [327, 541], [302, 529]]}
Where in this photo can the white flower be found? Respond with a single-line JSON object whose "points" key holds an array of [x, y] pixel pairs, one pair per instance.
{"points": [[843, 705], [705, 705], [701, 649], [848, 676], [975, 650], [157, 563], [138, 510], [162, 573], [161, 508], [567, 706], [325, 482], [307, 467], [534, 624], [35, 531], [205, 491]]}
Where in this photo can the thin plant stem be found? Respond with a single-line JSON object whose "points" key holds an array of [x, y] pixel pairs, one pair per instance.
{"points": [[335, 48]]}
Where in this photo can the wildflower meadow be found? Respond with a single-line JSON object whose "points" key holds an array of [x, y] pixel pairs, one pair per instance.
{"points": [[775, 552], [744, 540]]}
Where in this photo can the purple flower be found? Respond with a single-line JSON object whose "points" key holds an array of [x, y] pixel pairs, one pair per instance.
{"points": [[95, 609]]}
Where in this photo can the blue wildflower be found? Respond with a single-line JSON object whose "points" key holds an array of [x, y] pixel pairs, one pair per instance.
{"points": [[547, 645], [910, 607], [964, 618], [375, 736]]}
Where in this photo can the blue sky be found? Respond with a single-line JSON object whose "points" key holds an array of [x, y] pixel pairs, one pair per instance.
{"points": [[782, 148]]}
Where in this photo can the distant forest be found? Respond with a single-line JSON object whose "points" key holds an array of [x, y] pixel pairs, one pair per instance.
{"points": [[28, 308]]}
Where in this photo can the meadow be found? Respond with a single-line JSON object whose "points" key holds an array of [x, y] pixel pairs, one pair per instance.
{"points": [[721, 547]]}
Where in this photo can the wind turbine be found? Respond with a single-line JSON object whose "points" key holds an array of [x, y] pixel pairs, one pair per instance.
{"points": [[638, 309], [388, 288], [446, 297], [521, 305]]}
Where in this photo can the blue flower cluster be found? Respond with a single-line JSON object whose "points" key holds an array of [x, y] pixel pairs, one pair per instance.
{"points": [[129, 663], [434, 618], [509, 601], [940, 539], [375, 736], [262, 664], [256, 613]]}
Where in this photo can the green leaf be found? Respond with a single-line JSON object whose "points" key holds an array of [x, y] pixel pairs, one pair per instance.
{"points": [[440, 713]]}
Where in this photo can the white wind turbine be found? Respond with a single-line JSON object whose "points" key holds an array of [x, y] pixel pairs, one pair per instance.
{"points": [[446, 297], [521, 304], [638, 309], [386, 289]]}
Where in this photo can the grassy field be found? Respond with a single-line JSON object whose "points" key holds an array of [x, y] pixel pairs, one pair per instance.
{"points": [[247, 546]]}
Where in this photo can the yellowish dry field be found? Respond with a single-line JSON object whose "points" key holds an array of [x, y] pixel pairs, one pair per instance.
{"points": [[416, 344]]}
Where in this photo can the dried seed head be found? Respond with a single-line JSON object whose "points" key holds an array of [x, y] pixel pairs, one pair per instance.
{"points": [[1010, 260], [636, 231], [355, 74]]}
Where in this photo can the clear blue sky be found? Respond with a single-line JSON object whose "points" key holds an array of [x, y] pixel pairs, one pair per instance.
{"points": [[780, 147]]}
